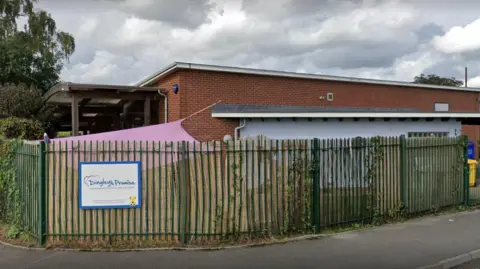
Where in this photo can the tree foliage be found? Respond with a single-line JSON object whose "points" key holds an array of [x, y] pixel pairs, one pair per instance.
{"points": [[437, 80], [20, 101], [31, 54], [18, 128]]}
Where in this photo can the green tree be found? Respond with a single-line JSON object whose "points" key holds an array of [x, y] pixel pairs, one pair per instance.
{"points": [[20, 101], [437, 80], [32, 54]]}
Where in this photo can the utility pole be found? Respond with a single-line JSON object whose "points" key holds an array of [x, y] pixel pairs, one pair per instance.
{"points": [[466, 76]]}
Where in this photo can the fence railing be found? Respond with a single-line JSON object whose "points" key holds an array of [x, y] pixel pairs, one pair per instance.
{"points": [[19, 200], [216, 190]]}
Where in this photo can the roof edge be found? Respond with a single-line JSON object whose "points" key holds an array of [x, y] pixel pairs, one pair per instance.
{"points": [[263, 72], [350, 115], [54, 90], [156, 76], [235, 108], [67, 86]]}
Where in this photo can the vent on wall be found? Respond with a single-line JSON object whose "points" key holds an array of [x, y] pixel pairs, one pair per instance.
{"points": [[330, 96], [442, 107]]}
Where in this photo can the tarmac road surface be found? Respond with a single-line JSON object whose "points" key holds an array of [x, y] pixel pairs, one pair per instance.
{"points": [[407, 245]]}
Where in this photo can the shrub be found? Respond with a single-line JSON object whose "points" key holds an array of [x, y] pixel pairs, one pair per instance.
{"points": [[26, 102], [9, 202], [18, 128]]}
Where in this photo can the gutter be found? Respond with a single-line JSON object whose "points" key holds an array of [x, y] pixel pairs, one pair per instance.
{"points": [[165, 98], [154, 77], [237, 130]]}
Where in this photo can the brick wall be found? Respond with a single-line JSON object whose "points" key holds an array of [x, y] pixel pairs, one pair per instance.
{"points": [[173, 99], [199, 89]]}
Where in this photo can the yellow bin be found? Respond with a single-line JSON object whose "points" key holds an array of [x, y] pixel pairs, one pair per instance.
{"points": [[473, 172]]}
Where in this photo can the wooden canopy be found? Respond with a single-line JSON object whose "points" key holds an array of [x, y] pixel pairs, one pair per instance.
{"points": [[98, 108]]}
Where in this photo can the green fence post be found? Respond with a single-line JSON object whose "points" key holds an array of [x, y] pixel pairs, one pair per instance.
{"points": [[466, 170], [403, 170], [316, 187], [42, 188], [184, 192]]}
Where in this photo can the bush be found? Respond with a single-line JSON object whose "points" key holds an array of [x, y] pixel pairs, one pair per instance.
{"points": [[18, 128], [25, 102], [9, 202]]}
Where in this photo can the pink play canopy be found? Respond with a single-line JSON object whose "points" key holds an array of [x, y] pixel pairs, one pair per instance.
{"points": [[172, 131]]}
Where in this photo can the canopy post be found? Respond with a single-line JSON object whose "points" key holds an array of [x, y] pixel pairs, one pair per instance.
{"points": [[146, 112], [75, 115]]}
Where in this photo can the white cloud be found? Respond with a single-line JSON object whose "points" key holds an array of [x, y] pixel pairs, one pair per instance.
{"points": [[409, 66], [137, 32], [474, 82], [87, 27], [101, 68], [460, 39], [122, 41], [178, 13], [375, 24]]}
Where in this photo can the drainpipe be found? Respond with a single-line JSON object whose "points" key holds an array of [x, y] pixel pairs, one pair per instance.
{"points": [[237, 130], [165, 98]]}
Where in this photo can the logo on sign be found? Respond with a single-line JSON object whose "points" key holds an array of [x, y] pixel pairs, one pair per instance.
{"points": [[133, 200], [97, 182]]}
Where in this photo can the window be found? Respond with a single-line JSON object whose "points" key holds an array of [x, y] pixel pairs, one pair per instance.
{"points": [[442, 107], [428, 134], [329, 96]]}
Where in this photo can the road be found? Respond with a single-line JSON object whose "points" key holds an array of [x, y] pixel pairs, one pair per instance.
{"points": [[475, 264], [408, 245]]}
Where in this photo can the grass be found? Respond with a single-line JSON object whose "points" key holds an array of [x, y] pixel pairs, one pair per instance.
{"points": [[22, 239], [125, 244]]}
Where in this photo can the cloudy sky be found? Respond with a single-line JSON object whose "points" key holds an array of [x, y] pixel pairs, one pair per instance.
{"points": [[122, 41]]}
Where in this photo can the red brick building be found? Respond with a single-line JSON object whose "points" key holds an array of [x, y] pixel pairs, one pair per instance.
{"points": [[193, 87]]}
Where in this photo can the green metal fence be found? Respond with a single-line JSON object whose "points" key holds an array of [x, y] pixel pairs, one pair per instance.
{"points": [[20, 190], [436, 174], [27, 163], [215, 190]]}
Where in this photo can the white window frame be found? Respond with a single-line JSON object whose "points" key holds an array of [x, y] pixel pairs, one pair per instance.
{"points": [[330, 96]]}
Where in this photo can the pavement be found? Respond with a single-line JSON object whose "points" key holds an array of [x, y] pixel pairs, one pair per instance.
{"points": [[475, 264], [412, 244]]}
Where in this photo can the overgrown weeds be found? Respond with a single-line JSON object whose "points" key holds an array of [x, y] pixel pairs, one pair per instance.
{"points": [[10, 203]]}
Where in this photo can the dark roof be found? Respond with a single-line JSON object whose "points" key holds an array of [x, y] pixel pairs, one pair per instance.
{"points": [[231, 108]]}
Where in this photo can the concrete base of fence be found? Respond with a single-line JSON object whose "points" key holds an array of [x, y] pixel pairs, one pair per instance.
{"points": [[272, 242], [20, 247]]}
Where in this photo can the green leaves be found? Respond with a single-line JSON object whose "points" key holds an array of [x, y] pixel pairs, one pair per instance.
{"points": [[22, 101], [9, 201], [437, 80], [10, 10], [29, 117], [33, 55], [16, 128]]}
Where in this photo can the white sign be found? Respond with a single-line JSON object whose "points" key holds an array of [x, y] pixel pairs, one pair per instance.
{"points": [[110, 185]]}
